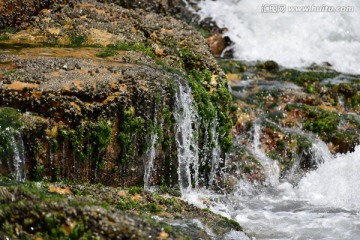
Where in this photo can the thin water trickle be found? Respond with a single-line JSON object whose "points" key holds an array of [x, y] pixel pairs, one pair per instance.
{"points": [[19, 173], [150, 156], [215, 151]]}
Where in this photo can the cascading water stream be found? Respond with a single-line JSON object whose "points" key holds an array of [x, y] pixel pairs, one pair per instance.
{"points": [[325, 204], [186, 137], [271, 167], [13, 152], [150, 157], [19, 173]]}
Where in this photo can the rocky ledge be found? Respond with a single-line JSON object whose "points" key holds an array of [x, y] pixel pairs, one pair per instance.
{"points": [[84, 87], [293, 114], [62, 211]]}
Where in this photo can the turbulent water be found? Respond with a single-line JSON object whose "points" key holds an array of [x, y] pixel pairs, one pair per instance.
{"points": [[277, 30], [325, 203]]}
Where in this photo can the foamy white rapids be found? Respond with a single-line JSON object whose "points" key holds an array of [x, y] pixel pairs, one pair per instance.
{"points": [[335, 183], [293, 39], [324, 205]]}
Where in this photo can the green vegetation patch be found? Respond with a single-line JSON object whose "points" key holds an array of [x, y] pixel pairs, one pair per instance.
{"points": [[140, 47], [322, 122], [302, 78], [78, 40]]}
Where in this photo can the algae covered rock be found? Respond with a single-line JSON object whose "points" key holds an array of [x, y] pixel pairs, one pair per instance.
{"points": [[294, 111], [94, 81], [58, 211]]}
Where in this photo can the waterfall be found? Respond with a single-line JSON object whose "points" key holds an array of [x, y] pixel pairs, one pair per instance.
{"points": [[13, 153], [150, 156], [19, 173], [186, 128]]}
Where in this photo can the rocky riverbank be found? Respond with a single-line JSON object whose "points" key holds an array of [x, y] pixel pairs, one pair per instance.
{"points": [[293, 109], [85, 89], [59, 211], [94, 81], [99, 98]]}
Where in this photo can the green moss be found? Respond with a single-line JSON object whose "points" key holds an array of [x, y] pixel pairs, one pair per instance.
{"points": [[131, 127], [190, 60], [4, 37], [212, 103], [269, 66], [135, 190], [9, 118], [107, 52], [152, 207], [9, 72], [303, 78], [322, 122], [10, 30], [311, 89], [141, 47], [78, 40], [232, 66], [226, 222], [10, 125], [88, 141], [38, 172]]}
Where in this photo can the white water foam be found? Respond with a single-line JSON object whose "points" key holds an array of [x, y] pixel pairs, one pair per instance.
{"points": [[324, 205], [336, 183], [293, 39]]}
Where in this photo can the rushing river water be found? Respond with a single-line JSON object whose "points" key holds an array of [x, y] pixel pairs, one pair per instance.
{"points": [[292, 38], [324, 203]]}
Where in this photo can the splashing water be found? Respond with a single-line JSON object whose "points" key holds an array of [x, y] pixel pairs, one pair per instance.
{"points": [[272, 171], [293, 39], [324, 205], [335, 183], [186, 141]]}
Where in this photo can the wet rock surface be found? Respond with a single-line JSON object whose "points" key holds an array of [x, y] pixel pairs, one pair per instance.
{"points": [[84, 85], [57, 211], [292, 108], [91, 79]]}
